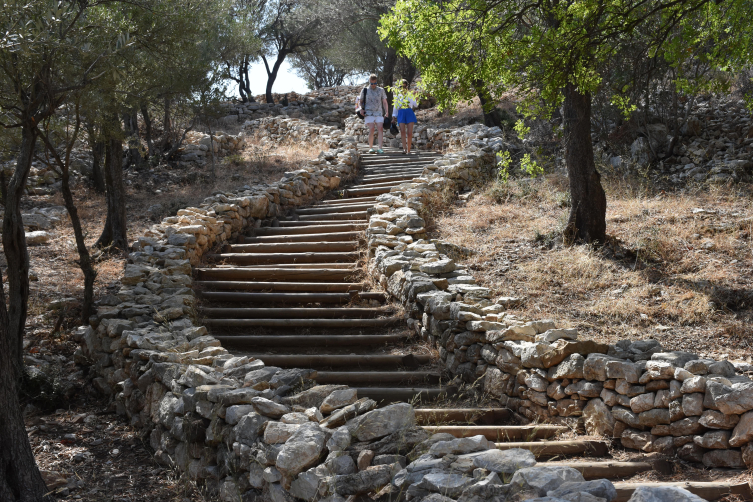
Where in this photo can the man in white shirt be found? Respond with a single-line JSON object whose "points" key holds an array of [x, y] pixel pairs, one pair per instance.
{"points": [[374, 110]]}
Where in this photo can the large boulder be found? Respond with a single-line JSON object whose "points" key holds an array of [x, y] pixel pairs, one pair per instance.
{"points": [[541, 480], [302, 450], [602, 488], [504, 462], [383, 421]]}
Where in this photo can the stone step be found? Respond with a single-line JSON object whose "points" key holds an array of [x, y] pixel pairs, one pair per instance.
{"points": [[272, 286], [344, 208], [292, 247], [501, 433], [543, 449], [339, 361], [331, 236], [328, 340], [282, 258], [605, 469], [388, 395], [221, 296], [276, 273], [306, 323], [707, 490], [334, 215], [440, 416], [308, 228], [297, 313], [376, 377]]}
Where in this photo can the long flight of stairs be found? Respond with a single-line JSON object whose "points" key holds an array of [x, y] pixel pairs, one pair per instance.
{"points": [[295, 296]]}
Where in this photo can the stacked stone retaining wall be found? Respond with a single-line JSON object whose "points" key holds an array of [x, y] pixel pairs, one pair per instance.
{"points": [[651, 398]]}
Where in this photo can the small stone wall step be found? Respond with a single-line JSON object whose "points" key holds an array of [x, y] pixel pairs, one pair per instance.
{"points": [[332, 361], [278, 273], [322, 223], [388, 395], [385, 179], [386, 184], [309, 341], [282, 258], [606, 469], [501, 433], [333, 236], [340, 266], [289, 297], [416, 170], [334, 215], [292, 247], [305, 323], [354, 200], [486, 416], [376, 377], [308, 287], [706, 490], [546, 449], [390, 164], [371, 159], [344, 208], [311, 229], [297, 313], [364, 191]]}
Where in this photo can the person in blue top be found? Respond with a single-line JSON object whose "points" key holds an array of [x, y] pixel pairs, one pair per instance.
{"points": [[404, 115]]}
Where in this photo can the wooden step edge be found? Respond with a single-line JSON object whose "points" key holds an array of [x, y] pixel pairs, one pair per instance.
{"points": [[555, 448], [305, 323], [440, 416], [309, 341], [501, 433], [709, 490], [605, 469]]}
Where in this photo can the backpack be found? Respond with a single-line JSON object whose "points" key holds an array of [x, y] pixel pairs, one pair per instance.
{"points": [[363, 105]]}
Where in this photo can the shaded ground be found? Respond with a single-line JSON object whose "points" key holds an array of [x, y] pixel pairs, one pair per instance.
{"points": [[677, 266]]}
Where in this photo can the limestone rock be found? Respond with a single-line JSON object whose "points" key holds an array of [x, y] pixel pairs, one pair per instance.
{"points": [[461, 446], [598, 418], [278, 432], [743, 432], [724, 458], [601, 488], [448, 484], [313, 397], [338, 399], [663, 494], [364, 481], [304, 448], [713, 440], [269, 408], [504, 462], [383, 421], [543, 479], [718, 420]]}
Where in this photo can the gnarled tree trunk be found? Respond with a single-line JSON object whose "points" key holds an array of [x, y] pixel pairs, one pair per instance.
{"points": [[16, 253], [587, 221], [20, 480], [492, 117]]}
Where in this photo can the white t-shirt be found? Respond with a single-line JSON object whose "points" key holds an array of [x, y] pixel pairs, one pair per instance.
{"points": [[374, 105]]}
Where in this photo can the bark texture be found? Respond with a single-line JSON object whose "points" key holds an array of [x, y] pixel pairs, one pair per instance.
{"points": [[587, 221], [114, 233], [492, 117], [20, 480], [16, 253]]}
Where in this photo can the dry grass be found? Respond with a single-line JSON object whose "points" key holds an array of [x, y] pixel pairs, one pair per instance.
{"points": [[669, 271]]}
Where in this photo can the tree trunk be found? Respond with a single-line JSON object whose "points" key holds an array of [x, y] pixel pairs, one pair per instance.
{"points": [[130, 120], [114, 233], [272, 74], [587, 221], [167, 122], [492, 117], [98, 180], [16, 253], [20, 480], [246, 80], [147, 129]]}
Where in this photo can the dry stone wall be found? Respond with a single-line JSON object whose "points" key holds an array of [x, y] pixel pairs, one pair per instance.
{"points": [[652, 398]]}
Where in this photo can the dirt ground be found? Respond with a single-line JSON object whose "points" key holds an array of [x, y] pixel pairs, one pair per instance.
{"points": [[677, 265]]}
